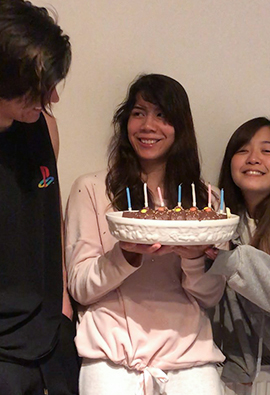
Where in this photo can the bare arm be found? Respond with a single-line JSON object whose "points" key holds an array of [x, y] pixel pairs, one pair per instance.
{"points": [[53, 130]]}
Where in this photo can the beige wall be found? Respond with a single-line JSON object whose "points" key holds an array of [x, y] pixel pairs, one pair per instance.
{"points": [[218, 49]]}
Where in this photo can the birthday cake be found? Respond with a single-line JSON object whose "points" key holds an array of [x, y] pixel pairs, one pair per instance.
{"points": [[176, 214], [178, 226], [168, 231]]}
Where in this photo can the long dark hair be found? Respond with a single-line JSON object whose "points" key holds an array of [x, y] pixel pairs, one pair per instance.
{"points": [[35, 54], [233, 195], [183, 166]]}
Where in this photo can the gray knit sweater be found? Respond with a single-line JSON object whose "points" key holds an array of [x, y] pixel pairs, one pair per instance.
{"points": [[241, 322]]}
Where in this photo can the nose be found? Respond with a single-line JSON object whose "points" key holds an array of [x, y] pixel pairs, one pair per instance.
{"points": [[54, 96], [253, 158], [149, 123]]}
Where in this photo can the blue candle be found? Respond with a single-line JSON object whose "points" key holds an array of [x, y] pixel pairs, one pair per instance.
{"points": [[222, 200], [179, 194], [128, 199]]}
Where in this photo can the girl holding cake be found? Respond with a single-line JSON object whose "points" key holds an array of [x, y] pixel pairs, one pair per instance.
{"points": [[142, 326], [243, 326]]}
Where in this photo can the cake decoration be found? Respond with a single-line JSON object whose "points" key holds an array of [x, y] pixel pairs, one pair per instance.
{"points": [[179, 203], [160, 197], [192, 214], [193, 195], [221, 210], [178, 213], [209, 195], [145, 195], [128, 199]]}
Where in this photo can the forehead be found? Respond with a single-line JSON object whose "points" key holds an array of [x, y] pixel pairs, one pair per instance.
{"points": [[262, 135], [140, 101]]}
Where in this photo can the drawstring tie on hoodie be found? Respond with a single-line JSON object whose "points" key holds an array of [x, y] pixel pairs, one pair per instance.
{"points": [[147, 379]]}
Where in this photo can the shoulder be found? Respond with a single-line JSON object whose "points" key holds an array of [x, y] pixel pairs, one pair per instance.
{"points": [[53, 131], [90, 178], [89, 181], [88, 191]]}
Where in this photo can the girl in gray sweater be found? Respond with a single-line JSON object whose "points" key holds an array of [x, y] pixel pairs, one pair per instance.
{"points": [[241, 324]]}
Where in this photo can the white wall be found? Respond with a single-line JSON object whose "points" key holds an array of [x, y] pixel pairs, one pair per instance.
{"points": [[218, 49]]}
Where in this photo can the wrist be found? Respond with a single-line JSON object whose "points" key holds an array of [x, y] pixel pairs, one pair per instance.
{"points": [[211, 253], [133, 258]]}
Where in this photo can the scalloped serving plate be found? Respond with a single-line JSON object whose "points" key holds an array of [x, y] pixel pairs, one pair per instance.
{"points": [[147, 231]]}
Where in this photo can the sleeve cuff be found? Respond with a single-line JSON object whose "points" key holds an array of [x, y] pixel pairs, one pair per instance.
{"points": [[226, 263]]}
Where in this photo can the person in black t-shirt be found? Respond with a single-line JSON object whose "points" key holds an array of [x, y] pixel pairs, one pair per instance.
{"points": [[37, 352]]}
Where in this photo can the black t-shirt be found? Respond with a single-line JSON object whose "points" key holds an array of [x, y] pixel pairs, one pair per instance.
{"points": [[30, 243]]}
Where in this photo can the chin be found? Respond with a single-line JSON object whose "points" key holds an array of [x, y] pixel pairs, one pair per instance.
{"points": [[32, 118]]}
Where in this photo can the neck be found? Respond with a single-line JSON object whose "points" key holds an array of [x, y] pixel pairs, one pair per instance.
{"points": [[251, 201], [5, 124], [3, 129], [154, 177]]}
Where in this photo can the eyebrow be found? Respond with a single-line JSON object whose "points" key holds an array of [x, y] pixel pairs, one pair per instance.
{"points": [[138, 106], [265, 142], [143, 107]]}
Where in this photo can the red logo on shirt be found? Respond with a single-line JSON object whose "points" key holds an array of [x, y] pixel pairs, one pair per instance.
{"points": [[46, 178]]}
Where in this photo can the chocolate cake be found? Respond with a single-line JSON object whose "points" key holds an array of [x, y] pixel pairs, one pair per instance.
{"points": [[144, 213], [162, 213], [193, 214], [176, 214], [209, 214]]}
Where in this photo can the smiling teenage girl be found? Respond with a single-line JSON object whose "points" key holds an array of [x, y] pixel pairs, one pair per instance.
{"points": [[245, 176], [142, 326]]}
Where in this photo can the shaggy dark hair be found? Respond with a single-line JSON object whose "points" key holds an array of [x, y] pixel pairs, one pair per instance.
{"points": [[234, 197], [183, 166], [35, 54]]}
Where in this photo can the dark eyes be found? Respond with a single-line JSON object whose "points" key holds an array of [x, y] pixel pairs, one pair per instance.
{"points": [[136, 113], [241, 151], [141, 113], [245, 150], [161, 115]]}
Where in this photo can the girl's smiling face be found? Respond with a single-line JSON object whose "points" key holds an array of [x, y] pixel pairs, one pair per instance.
{"points": [[250, 167], [149, 133]]}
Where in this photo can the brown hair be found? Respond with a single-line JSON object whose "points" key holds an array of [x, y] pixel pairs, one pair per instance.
{"points": [[183, 166], [35, 54]]}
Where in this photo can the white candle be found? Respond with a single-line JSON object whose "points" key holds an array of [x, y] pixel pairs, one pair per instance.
{"points": [[209, 195], [193, 195], [145, 195]]}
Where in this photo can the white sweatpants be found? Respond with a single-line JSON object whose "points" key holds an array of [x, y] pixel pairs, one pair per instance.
{"points": [[106, 378]]}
